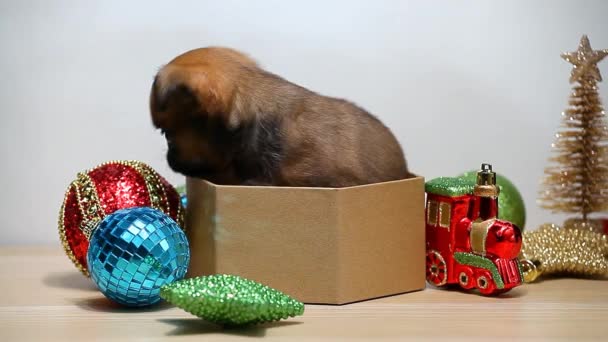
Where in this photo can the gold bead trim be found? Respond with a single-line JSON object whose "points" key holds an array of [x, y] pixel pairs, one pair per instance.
{"points": [[156, 191], [180, 213], [556, 250], [92, 211], [158, 196], [63, 237], [89, 204]]}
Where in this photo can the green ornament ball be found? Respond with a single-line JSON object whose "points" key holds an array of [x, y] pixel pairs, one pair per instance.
{"points": [[231, 300], [510, 203], [181, 189]]}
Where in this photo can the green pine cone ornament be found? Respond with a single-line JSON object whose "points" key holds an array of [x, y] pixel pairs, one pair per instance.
{"points": [[510, 203], [231, 300]]}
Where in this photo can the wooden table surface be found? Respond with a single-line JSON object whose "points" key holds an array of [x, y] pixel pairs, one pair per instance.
{"points": [[43, 297]]}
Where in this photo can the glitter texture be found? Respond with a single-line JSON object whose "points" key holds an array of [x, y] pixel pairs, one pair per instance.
{"points": [[470, 259], [561, 251], [72, 238], [104, 189], [576, 181], [450, 186], [119, 187], [585, 61], [231, 300], [135, 251]]}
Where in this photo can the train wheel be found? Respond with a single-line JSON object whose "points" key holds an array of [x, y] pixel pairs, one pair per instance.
{"points": [[466, 279], [485, 283], [436, 269]]}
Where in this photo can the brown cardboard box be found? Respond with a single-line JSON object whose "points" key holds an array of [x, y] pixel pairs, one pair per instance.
{"points": [[319, 245]]}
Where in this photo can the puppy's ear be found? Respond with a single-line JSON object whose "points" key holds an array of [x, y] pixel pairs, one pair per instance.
{"points": [[177, 95], [183, 87], [216, 93]]}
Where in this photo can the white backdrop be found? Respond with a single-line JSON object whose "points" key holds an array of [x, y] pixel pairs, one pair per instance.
{"points": [[459, 82]]}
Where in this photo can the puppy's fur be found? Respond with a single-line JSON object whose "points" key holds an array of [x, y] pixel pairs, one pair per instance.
{"points": [[229, 121]]}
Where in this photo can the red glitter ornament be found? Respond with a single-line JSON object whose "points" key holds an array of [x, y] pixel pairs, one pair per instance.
{"points": [[103, 190], [466, 244]]}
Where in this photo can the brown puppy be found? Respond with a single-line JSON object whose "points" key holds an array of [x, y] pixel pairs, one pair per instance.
{"points": [[229, 121]]}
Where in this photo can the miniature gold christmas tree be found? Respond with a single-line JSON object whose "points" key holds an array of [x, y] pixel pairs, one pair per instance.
{"points": [[577, 179], [552, 250]]}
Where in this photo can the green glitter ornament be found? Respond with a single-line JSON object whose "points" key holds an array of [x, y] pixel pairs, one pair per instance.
{"points": [[510, 203], [449, 186], [231, 300]]}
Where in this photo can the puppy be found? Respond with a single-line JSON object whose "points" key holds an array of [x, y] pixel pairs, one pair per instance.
{"points": [[229, 121]]}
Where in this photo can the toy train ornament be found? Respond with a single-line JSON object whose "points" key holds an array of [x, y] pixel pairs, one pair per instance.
{"points": [[466, 244]]}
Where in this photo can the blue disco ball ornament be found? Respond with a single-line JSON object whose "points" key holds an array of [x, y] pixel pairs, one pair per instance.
{"points": [[135, 251]]}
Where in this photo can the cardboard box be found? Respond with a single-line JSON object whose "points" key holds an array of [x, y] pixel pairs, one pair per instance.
{"points": [[319, 245]]}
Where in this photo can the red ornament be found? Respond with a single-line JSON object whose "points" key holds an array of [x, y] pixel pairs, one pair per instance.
{"points": [[466, 244], [103, 190]]}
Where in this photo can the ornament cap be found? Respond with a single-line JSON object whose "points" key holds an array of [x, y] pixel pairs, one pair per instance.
{"points": [[486, 176], [486, 182], [530, 269]]}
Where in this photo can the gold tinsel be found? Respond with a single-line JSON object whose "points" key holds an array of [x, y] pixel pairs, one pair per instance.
{"points": [[577, 180], [551, 250]]}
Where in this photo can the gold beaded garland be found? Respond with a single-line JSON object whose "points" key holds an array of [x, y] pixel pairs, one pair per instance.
{"points": [[569, 251]]}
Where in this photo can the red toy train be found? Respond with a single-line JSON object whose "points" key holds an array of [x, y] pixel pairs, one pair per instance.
{"points": [[465, 242]]}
